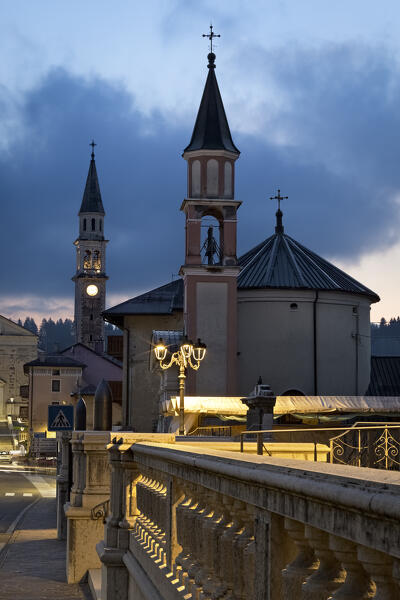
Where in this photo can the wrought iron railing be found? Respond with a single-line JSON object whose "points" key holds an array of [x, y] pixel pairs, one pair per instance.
{"points": [[365, 444]]}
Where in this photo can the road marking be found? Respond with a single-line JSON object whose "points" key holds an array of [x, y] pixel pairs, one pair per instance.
{"points": [[13, 525], [27, 494], [9, 494], [45, 489]]}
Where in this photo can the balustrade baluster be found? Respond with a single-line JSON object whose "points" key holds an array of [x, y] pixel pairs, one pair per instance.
{"points": [[196, 542], [227, 548], [296, 572], [357, 584], [181, 513], [380, 568], [242, 570], [216, 527], [396, 573], [204, 524], [329, 575]]}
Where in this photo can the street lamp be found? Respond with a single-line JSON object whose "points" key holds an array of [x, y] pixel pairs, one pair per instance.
{"points": [[188, 355]]}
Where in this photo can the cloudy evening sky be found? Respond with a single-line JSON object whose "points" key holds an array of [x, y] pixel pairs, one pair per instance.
{"points": [[312, 94]]}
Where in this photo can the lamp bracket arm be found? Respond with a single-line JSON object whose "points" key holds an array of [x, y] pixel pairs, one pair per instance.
{"points": [[194, 366]]}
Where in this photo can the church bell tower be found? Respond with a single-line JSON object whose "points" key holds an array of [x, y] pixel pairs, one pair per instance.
{"points": [[210, 270], [90, 277]]}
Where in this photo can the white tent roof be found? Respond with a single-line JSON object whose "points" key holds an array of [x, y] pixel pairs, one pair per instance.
{"points": [[223, 405]]}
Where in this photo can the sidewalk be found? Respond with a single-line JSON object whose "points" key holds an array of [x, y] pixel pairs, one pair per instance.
{"points": [[32, 565]]}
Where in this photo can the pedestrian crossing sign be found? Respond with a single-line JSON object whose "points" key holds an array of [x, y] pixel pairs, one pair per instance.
{"points": [[61, 417]]}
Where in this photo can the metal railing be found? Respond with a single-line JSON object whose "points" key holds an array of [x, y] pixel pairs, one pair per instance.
{"points": [[363, 445], [217, 431]]}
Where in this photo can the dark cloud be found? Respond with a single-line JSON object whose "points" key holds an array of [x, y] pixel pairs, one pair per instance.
{"points": [[340, 172]]}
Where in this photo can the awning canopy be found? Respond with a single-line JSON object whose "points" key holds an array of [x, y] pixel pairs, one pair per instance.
{"points": [[223, 405]]}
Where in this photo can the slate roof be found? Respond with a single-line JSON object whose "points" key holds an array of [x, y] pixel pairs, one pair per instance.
{"points": [[56, 360], [385, 376], [211, 130], [163, 300], [281, 262], [91, 201]]}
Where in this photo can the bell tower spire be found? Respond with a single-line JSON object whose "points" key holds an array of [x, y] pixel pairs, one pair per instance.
{"points": [[90, 277], [210, 277]]}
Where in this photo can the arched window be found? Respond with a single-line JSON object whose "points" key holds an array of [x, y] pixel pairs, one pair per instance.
{"points": [[87, 260], [84, 224], [196, 179], [228, 179], [294, 306], [93, 224], [212, 177]]}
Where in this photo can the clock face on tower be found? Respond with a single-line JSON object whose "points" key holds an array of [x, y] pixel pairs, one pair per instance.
{"points": [[92, 290]]}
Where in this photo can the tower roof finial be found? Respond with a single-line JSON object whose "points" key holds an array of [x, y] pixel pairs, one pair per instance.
{"points": [[92, 143], [211, 56], [279, 214]]}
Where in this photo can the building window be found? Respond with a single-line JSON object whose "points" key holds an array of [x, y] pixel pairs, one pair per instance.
{"points": [[293, 306], [91, 316], [93, 224], [355, 310], [91, 338], [84, 224], [55, 371], [100, 225], [55, 385]]}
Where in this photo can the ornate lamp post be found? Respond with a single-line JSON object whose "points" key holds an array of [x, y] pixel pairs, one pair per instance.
{"points": [[188, 355]]}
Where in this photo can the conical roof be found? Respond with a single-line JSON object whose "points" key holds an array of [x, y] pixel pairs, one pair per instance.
{"points": [[211, 130], [91, 201], [281, 262]]}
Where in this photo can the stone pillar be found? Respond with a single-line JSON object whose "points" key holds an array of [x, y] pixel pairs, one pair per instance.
{"points": [[86, 511], [63, 483], [114, 575], [261, 408]]}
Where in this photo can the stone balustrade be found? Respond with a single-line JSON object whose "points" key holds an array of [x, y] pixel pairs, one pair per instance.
{"points": [[193, 523], [89, 497]]}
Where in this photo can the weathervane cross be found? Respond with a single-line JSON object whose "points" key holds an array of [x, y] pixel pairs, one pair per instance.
{"points": [[92, 143], [279, 198], [211, 36]]}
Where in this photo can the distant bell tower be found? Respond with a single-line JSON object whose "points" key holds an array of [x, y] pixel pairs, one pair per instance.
{"points": [[210, 270], [90, 277]]}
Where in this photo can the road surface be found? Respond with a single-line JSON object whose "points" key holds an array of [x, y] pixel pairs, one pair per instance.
{"points": [[19, 488]]}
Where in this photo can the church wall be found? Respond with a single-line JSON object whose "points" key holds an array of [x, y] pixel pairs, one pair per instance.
{"points": [[339, 344], [276, 341], [141, 386]]}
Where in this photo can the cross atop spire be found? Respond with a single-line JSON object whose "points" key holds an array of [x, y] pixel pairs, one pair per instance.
{"points": [[211, 36], [279, 226], [279, 198], [92, 143]]}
